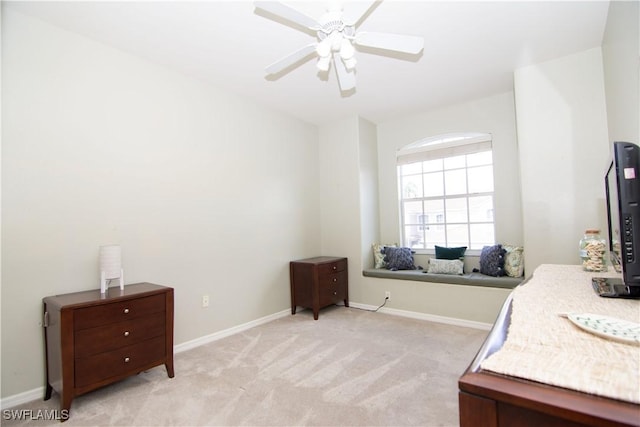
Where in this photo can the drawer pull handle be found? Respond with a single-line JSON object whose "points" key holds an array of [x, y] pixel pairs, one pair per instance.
{"points": [[126, 333], [335, 292], [126, 360], [335, 280], [335, 267], [126, 310]]}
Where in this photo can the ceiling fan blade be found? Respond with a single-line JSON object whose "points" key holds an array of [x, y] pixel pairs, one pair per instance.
{"points": [[346, 79], [291, 59], [288, 13], [387, 41], [354, 12]]}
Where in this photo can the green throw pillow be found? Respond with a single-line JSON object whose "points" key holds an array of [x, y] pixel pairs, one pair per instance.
{"points": [[450, 253]]}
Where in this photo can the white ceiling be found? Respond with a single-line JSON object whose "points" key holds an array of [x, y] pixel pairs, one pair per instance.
{"points": [[471, 48]]}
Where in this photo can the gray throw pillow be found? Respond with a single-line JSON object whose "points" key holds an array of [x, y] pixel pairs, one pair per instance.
{"points": [[398, 258], [492, 260]]}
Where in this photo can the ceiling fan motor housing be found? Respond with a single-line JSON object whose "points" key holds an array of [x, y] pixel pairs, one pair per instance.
{"points": [[335, 36]]}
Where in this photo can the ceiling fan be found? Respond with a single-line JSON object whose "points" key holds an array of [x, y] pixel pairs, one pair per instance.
{"points": [[337, 38]]}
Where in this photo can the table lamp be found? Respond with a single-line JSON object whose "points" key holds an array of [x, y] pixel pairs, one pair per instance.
{"points": [[110, 266]]}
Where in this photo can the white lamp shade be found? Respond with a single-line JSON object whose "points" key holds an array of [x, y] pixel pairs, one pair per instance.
{"points": [[111, 261]]}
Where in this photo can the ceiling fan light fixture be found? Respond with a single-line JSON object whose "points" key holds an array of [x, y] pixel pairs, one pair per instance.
{"points": [[323, 63], [335, 39], [347, 51], [324, 49]]}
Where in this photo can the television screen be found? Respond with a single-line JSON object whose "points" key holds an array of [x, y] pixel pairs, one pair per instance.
{"points": [[622, 189]]}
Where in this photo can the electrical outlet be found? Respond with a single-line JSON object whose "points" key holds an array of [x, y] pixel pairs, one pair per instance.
{"points": [[387, 295], [205, 301]]}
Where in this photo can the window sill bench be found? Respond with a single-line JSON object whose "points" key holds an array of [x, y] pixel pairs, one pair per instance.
{"points": [[469, 279]]}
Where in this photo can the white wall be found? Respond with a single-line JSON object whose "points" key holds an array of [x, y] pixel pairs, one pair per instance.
{"points": [[349, 226], [339, 195], [369, 202], [494, 115], [562, 132], [205, 191], [621, 60]]}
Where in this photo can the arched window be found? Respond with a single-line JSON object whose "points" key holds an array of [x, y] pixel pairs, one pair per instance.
{"points": [[446, 191]]}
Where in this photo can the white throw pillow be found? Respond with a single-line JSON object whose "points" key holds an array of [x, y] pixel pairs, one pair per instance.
{"points": [[445, 266], [514, 261], [378, 256]]}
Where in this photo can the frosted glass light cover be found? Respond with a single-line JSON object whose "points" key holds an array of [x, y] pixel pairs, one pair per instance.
{"points": [[111, 261]]}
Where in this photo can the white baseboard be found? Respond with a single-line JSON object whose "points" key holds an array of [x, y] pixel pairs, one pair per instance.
{"points": [[228, 332], [24, 397], [424, 316], [38, 393]]}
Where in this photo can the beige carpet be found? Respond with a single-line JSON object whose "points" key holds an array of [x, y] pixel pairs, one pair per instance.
{"points": [[349, 368]]}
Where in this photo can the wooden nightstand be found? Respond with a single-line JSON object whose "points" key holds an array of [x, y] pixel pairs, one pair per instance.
{"points": [[93, 340], [319, 282]]}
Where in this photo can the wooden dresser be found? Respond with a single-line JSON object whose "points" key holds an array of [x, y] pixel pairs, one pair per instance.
{"points": [[319, 282], [492, 399], [93, 340]]}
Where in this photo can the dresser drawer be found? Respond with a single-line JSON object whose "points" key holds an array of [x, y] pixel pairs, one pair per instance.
{"points": [[115, 335], [99, 367], [330, 296], [332, 288], [332, 267], [91, 317], [333, 280]]}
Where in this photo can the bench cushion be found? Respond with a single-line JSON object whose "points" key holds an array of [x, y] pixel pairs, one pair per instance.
{"points": [[470, 279]]}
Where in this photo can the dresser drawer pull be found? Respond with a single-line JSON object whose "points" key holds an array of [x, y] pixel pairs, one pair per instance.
{"points": [[335, 292], [126, 360], [126, 310], [126, 333], [335, 267], [335, 280]]}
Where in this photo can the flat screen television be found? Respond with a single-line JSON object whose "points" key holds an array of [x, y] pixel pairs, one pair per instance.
{"points": [[622, 189]]}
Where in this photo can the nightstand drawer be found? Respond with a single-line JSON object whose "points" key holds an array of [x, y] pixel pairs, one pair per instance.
{"points": [[99, 367], [333, 280], [108, 337], [332, 267], [91, 317], [332, 293]]}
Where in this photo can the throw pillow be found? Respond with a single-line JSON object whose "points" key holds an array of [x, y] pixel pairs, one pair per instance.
{"points": [[445, 266], [398, 258], [514, 261], [378, 256], [492, 260], [450, 253]]}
